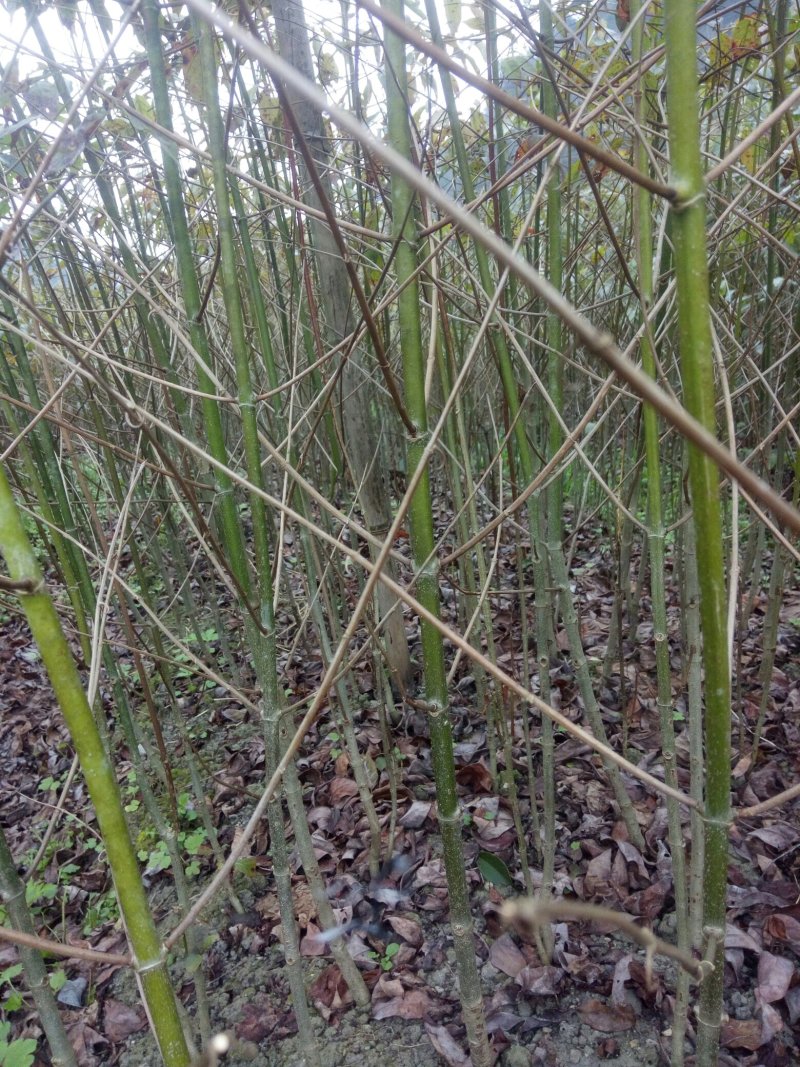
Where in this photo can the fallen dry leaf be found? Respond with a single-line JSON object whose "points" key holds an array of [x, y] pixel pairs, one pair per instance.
{"points": [[606, 1017], [447, 1047], [540, 981], [91, 1048], [506, 957], [407, 927], [741, 1033], [775, 974], [120, 1020], [783, 928], [258, 1020], [476, 777], [330, 993], [416, 814], [771, 1023], [607, 1048], [411, 1004], [737, 938], [311, 944], [597, 882], [342, 789]]}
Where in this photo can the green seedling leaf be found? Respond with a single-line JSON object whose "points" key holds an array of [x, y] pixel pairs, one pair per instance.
{"points": [[10, 973], [194, 842], [19, 1053], [13, 1002], [494, 870]]}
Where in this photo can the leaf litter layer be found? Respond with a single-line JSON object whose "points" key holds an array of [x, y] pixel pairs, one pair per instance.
{"points": [[594, 1001]]}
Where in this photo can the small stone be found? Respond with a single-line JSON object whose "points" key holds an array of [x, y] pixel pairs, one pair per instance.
{"points": [[516, 1056]]}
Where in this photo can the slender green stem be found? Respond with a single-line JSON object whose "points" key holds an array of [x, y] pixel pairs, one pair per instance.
{"points": [[424, 550], [691, 267], [100, 781], [12, 894], [656, 537]]}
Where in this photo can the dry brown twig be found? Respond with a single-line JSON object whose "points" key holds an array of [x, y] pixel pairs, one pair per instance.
{"points": [[531, 912], [56, 948]]}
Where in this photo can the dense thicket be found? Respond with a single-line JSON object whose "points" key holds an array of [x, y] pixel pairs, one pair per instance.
{"points": [[398, 407]]}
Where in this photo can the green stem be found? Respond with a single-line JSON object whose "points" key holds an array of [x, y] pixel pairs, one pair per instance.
{"points": [[12, 894], [424, 550], [691, 268], [100, 781]]}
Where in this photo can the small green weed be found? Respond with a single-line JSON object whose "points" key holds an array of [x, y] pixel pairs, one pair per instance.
{"points": [[334, 737], [17, 1053], [387, 959], [13, 998], [192, 840], [43, 895]]}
